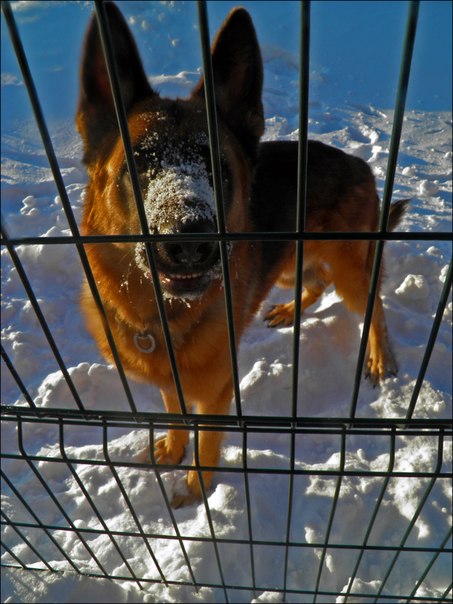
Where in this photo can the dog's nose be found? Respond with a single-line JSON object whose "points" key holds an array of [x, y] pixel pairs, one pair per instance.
{"points": [[189, 253]]}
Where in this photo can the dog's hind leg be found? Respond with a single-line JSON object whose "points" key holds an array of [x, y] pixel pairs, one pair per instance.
{"points": [[351, 275]]}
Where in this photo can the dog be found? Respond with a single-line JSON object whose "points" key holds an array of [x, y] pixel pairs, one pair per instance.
{"points": [[171, 148]]}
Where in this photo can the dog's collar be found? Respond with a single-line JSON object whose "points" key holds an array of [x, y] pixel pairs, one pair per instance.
{"points": [[145, 342]]}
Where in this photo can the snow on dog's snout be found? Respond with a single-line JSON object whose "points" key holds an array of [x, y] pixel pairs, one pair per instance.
{"points": [[180, 195], [178, 198]]}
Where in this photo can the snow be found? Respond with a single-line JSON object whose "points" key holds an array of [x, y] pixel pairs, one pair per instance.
{"points": [[347, 111], [192, 183]]}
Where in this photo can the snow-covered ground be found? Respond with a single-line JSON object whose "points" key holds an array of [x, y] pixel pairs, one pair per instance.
{"points": [[329, 341]]}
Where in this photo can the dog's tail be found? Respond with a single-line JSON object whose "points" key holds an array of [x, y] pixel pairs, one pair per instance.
{"points": [[397, 211]]}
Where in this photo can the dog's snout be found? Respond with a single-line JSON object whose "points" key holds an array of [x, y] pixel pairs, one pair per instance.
{"points": [[189, 253]]}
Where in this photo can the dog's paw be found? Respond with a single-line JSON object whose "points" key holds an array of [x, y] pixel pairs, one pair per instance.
{"points": [[381, 367], [280, 315], [189, 491], [181, 500], [164, 453]]}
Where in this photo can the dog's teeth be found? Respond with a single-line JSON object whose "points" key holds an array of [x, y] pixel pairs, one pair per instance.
{"points": [[177, 277]]}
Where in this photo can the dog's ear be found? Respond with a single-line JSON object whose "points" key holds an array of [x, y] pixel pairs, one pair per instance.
{"points": [[238, 79], [96, 112]]}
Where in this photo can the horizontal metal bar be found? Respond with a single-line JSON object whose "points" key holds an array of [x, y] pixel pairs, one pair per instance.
{"points": [[231, 541], [217, 237], [264, 588], [231, 470], [125, 419]]}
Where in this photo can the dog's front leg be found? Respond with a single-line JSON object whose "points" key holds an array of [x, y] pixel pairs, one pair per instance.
{"points": [[170, 448], [207, 450]]}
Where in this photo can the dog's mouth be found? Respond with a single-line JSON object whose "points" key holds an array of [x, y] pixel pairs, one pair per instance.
{"points": [[186, 285], [186, 280]]}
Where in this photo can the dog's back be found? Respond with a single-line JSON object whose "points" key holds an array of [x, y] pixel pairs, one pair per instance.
{"points": [[332, 176], [341, 193]]}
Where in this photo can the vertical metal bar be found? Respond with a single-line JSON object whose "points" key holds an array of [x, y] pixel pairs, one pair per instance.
{"points": [[55, 500], [409, 39], [27, 542], [444, 596], [304, 89], [374, 514], [18, 379], [198, 468], [301, 186], [157, 473], [92, 504], [132, 511], [416, 514], [109, 55], [431, 563], [211, 115], [289, 512], [332, 513], [304, 79], [431, 341], [36, 106], [400, 105], [13, 555], [214, 145], [248, 507], [42, 320], [38, 522], [53, 162]]}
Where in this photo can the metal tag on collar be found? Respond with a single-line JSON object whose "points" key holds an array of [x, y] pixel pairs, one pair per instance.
{"points": [[145, 342]]}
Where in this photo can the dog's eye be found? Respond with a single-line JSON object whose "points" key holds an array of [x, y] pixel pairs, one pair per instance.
{"points": [[206, 155], [125, 185]]}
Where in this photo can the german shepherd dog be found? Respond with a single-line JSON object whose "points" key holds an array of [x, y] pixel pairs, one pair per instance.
{"points": [[171, 148]]}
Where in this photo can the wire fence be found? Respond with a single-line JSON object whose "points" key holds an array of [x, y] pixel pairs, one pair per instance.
{"points": [[19, 530]]}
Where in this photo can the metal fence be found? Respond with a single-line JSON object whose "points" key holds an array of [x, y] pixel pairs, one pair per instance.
{"points": [[294, 426]]}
